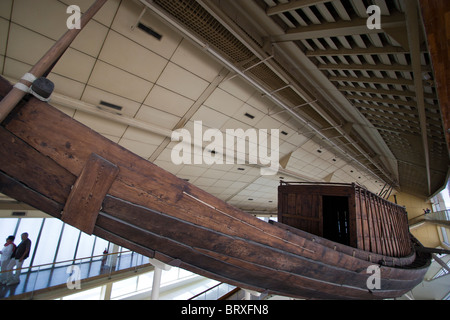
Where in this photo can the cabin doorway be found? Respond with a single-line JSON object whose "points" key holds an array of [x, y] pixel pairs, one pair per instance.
{"points": [[336, 219]]}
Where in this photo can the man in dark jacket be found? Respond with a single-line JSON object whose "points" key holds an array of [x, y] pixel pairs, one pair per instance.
{"points": [[22, 252]]}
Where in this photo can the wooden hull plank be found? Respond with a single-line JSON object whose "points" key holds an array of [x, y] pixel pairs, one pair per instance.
{"points": [[16, 190], [236, 248], [19, 160]]}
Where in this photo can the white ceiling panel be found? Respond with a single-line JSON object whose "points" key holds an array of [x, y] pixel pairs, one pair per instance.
{"points": [[132, 57], [139, 135], [5, 8], [94, 96], [169, 101], [91, 39], [4, 29], [210, 118], [224, 102], [115, 80], [142, 149], [127, 17], [75, 65], [66, 86], [157, 117], [101, 125], [182, 81], [26, 46], [196, 61], [31, 14], [106, 13]]}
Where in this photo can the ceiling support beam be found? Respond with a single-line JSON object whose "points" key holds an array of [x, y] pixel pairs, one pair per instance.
{"points": [[357, 51], [436, 16], [293, 5], [399, 93], [412, 22], [373, 67], [384, 108], [341, 28], [220, 16], [389, 101], [402, 82]]}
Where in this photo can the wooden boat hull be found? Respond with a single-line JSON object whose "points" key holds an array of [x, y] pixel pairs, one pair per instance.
{"points": [[67, 170]]}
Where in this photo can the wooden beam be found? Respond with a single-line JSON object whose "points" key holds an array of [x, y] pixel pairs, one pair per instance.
{"points": [[340, 28], [412, 22], [436, 16], [293, 5]]}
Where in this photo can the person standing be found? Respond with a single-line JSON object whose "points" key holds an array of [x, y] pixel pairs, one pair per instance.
{"points": [[22, 252], [7, 254]]}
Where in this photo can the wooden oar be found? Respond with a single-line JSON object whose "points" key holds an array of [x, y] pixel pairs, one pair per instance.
{"points": [[8, 103]]}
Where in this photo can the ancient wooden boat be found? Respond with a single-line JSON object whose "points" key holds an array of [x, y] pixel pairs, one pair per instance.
{"points": [[67, 170], [63, 168]]}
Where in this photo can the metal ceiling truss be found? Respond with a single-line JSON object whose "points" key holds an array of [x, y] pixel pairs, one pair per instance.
{"points": [[384, 74]]}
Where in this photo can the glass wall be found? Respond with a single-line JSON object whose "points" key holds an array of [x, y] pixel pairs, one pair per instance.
{"points": [[52, 240]]}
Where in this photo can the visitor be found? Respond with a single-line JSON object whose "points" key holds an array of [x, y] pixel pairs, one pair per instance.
{"points": [[7, 254], [22, 252]]}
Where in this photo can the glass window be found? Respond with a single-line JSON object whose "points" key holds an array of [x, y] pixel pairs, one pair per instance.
{"points": [[85, 246], [46, 249], [445, 236], [7, 228], [68, 243], [145, 281], [124, 287], [92, 294], [100, 246], [32, 226]]}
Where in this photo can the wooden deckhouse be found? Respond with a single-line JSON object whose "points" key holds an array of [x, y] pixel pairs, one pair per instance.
{"points": [[347, 214]]}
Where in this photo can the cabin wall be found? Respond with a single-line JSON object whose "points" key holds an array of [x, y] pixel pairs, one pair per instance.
{"points": [[382, 226], [320, 210], [346, 214]]}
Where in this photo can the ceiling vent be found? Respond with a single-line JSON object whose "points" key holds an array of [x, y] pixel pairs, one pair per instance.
{"points": [[19, 214], [149, 31]]}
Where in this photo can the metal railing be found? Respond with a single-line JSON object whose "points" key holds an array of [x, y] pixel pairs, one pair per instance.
{"points": [[442, 216], [215, 293], [71, 272]]}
